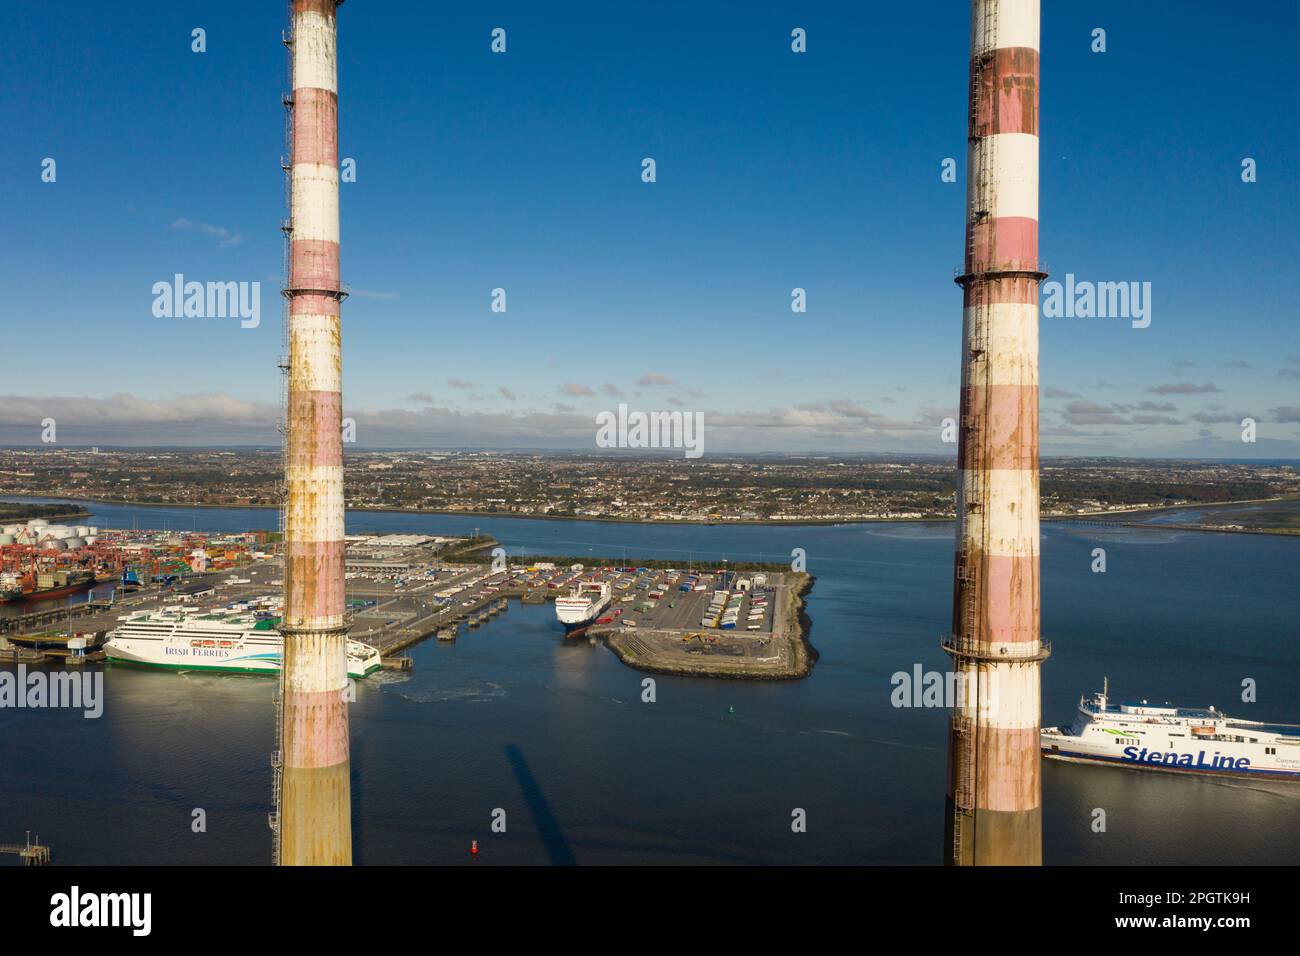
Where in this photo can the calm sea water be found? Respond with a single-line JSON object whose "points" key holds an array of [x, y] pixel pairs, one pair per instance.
{"points": [[555, 734]]}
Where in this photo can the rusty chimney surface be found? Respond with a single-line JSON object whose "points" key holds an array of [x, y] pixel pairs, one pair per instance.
{"points": [[994, 794], [314, 815]]}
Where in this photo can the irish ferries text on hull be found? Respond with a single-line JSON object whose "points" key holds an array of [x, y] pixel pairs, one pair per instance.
{"points": [[1177, 739], [238, 639]]}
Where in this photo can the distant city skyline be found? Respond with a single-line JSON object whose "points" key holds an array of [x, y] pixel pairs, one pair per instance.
{"points": [[521, 171]]}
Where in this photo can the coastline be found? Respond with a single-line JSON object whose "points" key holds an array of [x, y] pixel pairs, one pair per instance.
{"points": [[69, 516], [769, 522], [1104, 516]]}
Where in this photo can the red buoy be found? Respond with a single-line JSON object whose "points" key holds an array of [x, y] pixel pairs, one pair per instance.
{"points": [[473, 847]]}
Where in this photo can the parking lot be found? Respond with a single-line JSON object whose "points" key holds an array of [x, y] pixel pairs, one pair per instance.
{"points": [[399, 592]]}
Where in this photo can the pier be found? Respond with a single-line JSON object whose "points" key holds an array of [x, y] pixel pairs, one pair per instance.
{"points": [[405, 592], [674, 643], [447, 620], [48, 617], [46, 648], [32, 854]]}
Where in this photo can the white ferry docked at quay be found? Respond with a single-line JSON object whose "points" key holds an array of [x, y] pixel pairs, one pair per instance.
{"points": [[238, 640], [586, 602], [1175, 740]]}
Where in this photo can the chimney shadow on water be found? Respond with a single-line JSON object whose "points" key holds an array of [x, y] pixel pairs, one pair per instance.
{"points": [[548, 828]]}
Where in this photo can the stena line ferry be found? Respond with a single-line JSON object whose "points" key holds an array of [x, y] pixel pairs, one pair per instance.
{"points": [[1175, 739], [236, 641]]}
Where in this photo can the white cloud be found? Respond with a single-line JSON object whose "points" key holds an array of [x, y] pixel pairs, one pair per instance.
{"points": [[223, 235], [838, 425], [655, 378]]}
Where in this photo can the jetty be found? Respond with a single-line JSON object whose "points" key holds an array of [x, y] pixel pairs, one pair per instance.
{"points": [[32, 854], [779, 651]]}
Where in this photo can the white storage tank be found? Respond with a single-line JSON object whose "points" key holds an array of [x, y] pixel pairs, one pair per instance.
{"points": [[6, 538], [54, 544], [37, 523]]}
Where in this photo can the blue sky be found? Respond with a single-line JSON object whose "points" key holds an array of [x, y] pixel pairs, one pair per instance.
{"points": [[522, 171]]}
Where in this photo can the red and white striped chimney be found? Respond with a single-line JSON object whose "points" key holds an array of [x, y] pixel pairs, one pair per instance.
{"points": [[994, 811], [315, 802]]}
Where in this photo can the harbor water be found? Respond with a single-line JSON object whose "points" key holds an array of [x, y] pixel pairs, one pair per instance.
{"points": [[512, 722]]}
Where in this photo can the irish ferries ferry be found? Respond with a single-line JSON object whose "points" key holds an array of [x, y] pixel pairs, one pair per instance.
{"points": [[583, 604], [1175, 739], [239, 641]]}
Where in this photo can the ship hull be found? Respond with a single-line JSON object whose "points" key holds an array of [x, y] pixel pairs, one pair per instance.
{"points": [[60, 592], [588, 618], [1249, 773], [224, 668], [1192, 741], [178, 657], [579, 610], [216, 668]]}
